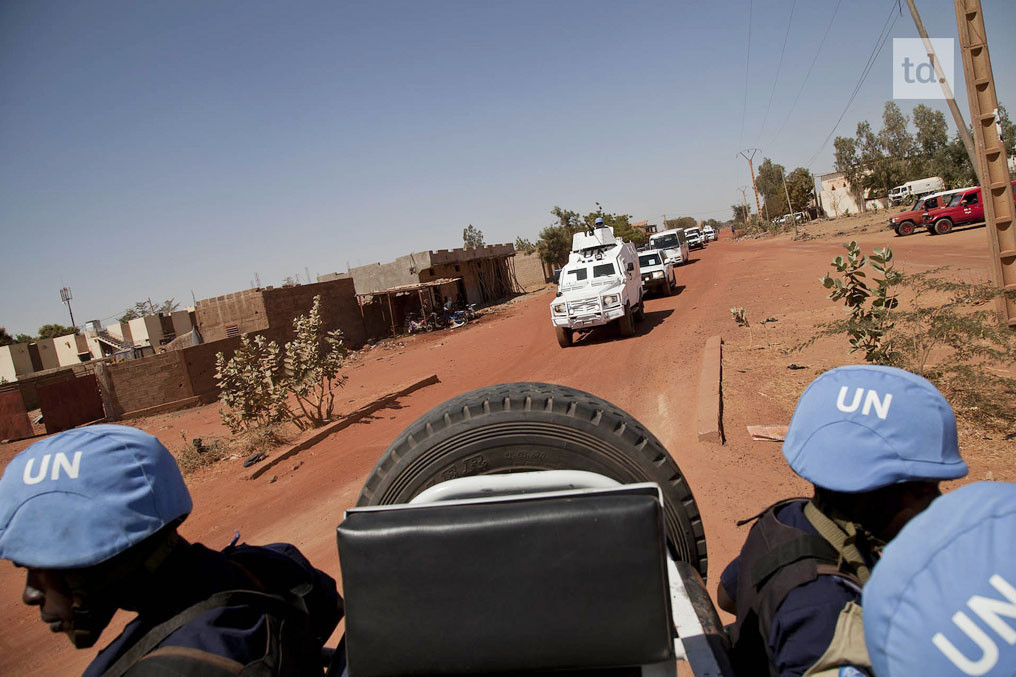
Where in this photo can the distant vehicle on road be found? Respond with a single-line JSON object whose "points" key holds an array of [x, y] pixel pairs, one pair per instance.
{"points": [[709, 232], [657, 272], [915, 189], [674, 243], [601, 284], [904, 223], [695, 239]]}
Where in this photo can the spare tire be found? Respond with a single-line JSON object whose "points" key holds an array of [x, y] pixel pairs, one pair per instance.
{"points": [[524, 427]]}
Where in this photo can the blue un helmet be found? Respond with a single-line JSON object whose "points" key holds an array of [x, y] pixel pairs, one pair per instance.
{"points": [[82, 496], [860, 428], [599, 221], [942, 599]]}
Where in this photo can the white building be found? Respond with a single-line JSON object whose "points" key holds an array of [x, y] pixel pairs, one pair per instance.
{"points": [[838, 198]]}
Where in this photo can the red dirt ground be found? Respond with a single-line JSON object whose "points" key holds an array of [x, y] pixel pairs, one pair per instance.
{"points": [[653, 376]]}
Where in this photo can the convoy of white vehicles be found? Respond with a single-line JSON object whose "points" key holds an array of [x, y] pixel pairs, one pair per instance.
{"points": [[606, 279]]}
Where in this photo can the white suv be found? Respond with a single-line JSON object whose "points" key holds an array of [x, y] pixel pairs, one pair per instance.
{"points": [[695, 240], [709, 232], [657, 272]]}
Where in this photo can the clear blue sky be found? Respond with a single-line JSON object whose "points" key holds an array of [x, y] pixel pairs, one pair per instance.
{"points": [[148, 149]]}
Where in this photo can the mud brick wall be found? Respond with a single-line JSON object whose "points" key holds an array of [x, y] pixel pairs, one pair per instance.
{"points": [[28, 384], [151, 381], [198, 362], [339, 309], [245, 309], [530, 270]]}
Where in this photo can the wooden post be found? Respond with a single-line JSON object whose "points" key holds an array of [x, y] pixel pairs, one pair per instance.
{"points": [[391, 313], [996, 189]]}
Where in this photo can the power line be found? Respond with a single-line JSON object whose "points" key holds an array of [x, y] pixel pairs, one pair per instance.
{"points": [[747, 63], [779, 67], [814, 60], [883, 37]]}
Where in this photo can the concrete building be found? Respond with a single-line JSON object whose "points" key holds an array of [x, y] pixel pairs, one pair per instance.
{"points": [[645, 227], [15, 361], [838, 197], [254, 310], [485, 273]]}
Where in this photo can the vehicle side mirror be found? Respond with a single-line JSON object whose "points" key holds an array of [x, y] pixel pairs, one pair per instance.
{"points": [[558, 294], [631, 267]]}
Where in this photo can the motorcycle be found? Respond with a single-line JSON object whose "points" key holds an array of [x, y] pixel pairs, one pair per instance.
{"points": [[463, 315]]}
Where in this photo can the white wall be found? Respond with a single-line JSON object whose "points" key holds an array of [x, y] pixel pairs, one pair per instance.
{"points": [[15, 361]]}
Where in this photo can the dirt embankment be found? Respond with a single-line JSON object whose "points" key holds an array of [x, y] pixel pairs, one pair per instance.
{"points": [[652, 376]]}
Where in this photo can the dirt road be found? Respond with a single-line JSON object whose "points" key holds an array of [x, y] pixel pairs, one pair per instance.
{"points": [[653, 376]]}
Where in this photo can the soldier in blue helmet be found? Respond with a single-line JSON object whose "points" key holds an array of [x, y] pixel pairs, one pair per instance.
{"points": [[875, 442], [92, 515], [942, 600]]}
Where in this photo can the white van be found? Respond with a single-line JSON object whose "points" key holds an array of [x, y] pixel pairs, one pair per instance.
{"points": [[674, 243]]}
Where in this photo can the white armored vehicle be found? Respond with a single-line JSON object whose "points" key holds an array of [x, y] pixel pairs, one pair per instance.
{"points": [[600, 284]]}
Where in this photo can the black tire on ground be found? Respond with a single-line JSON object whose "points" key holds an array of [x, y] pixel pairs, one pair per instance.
{"points": [[640, 314], [943, 226], [905, 228], [626, 323], [523, 427], [564, 336], [667, 289]]}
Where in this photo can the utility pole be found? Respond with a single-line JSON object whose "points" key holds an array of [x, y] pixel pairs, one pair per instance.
{"points": [[790, 207], [744, 201], [996, 189], [65, 296], [961, 126], [150, 306], [751, 168]]}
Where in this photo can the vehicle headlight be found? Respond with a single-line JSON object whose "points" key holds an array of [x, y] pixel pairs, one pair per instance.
{"points": [[558, 308], [657, 274], [892, 220], [611, 300]]}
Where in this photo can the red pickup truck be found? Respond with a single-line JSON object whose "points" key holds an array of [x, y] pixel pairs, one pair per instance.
{"points": [[904, 223], [961, 209]]}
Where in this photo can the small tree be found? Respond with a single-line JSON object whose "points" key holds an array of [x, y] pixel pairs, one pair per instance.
{"points": [[54, 330], [869, 323], [472, 237], [251, 386], [5, 338], [143, 308], [311, 367], [524, 245]]}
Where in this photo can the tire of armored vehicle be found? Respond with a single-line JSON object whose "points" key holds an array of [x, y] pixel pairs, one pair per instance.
{"points": [[525, 427], [626, 323], [564, 336]]}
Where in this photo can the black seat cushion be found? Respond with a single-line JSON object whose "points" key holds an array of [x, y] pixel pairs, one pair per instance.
{"points": [[522, 583]]}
